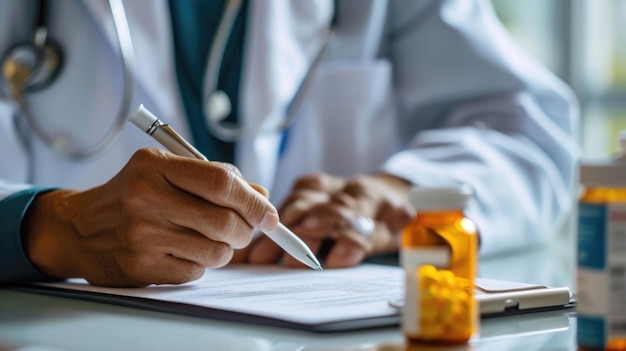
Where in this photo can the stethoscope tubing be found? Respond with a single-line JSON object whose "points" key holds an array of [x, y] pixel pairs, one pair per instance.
{"points": [[61, 143], [220, 130], [234, 132]]}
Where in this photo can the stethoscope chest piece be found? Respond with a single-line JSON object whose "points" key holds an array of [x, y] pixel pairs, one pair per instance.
{"points": [[31, 66], [217, 107]]}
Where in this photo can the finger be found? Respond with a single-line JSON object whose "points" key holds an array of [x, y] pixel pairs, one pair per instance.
{"points": [[395, 217], [320, 182], [300, 203], [360, 195], [214, 222], [324, 220], [264, 251], [214, 182], [164, 269], [194, 247], [344, 199], [241, 255], [345, 253]]}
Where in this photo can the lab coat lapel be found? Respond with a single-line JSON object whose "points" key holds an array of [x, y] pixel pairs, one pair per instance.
{"points": [[152, 42], [283, 38]]}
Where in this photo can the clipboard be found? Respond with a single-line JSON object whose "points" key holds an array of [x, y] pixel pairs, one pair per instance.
{"points": [[499, 298], [374, 293]]}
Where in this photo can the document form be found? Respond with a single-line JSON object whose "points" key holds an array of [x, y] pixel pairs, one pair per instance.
{"points": [[360, 297], [333, 299]]}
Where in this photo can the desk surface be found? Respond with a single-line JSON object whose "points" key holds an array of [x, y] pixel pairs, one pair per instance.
{"points": [[38, 322]]}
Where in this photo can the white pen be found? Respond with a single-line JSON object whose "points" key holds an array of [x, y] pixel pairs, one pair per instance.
{"points": [[168, 137]]}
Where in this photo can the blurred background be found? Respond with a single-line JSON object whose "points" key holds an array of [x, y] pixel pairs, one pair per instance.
{"points": [[584, 43]]}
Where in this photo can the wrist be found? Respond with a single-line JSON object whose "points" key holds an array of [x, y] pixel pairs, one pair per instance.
{"points": [[46, 235]]}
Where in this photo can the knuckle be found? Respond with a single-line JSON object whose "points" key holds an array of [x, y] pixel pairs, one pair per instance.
{"points": [[230, 168], [219, 254], [233, 230], [145, 157], [242, 238], [225, 223], [357, 186], [222, 182], [189, 272], [299, 205], [343, 199], [407, 212], [142, 156], [314, 181]]}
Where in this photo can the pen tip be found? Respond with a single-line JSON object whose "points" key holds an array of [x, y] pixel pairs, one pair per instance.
{"points": [[316, 264]]}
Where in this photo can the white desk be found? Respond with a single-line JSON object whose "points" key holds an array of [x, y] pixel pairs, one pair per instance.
{"points": [[38, 322]]}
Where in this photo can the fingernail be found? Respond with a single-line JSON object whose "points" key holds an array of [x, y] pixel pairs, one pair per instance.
{"points": [[269, 222]]}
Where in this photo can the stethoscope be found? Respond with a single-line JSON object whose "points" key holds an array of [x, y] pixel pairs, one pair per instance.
{"points": [[217, 104], [28, 67], [32, 66]]}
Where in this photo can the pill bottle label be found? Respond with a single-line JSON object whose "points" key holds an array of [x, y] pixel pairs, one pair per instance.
{"points": [[411, 260], [601, 272]]}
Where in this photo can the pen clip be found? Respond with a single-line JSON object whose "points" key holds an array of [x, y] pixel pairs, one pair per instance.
{"points": [[172, 133]]}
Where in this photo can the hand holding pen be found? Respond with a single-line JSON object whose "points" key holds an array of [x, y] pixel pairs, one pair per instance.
{"points": [[162, 219], [169, 138]]}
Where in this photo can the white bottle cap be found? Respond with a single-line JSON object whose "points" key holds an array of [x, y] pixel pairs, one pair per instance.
{"points": [[606, 173], [440, 198]]}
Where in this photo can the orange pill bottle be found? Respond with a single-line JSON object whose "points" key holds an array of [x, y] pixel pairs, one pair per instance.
{"points": [[439, 257], [601, 271]]}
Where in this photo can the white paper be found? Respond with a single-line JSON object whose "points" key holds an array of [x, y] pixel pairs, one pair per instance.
{"points": [[296, 295], [311, 297]]}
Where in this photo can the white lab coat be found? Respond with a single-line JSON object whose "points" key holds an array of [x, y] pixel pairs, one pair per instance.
{"points": [[431, 91]]}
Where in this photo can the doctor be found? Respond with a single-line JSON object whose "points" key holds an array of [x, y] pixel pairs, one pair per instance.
{"points": [[336, 108]]}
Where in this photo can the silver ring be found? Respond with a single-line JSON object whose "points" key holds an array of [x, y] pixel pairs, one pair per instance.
{"points": [[363, 225]]}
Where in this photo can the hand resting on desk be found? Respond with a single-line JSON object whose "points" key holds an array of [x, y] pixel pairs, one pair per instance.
{"points": [[321, 209]]}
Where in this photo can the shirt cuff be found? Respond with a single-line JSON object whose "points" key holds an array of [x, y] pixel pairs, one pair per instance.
{"points": [[14, 264]]}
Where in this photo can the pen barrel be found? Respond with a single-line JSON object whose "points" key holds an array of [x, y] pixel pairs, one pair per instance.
{"points": [[293, 245], [175, 143]]}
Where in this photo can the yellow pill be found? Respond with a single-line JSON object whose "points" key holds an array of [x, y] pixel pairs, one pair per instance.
{"points": [[452, 310], [433, 291], [426, 281], [429, 310], [464, 301], [446, 278], [464, 284], [428, 270], [431, 330]]}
